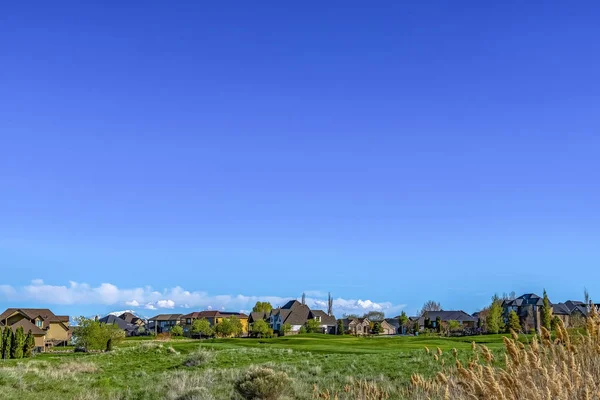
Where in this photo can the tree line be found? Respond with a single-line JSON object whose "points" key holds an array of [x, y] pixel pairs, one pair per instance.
{"points": [[16, 344]]}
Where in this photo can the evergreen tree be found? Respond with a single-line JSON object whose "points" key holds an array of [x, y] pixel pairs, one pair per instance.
{"points": [[17, 343], [29, 345], [377, 328], [494, 320], [427, 323], [513, 322], [546, 312], [6, 342], [340, 327], [438, 324]]}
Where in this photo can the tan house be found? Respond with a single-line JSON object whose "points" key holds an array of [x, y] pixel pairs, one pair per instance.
{"points": [[47, 328], [387, 328], [357, 326]]}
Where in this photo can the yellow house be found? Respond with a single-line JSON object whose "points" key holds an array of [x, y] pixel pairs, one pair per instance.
{"points": [[214, 317], [47, 328]]}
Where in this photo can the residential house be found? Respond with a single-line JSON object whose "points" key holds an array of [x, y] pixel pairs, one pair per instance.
{"points": [[529, 309], [297, 315], [395, 322], [128, 328], [132, 319], [213, 317], [47, 328], [357, 326], [163, 323], [465, 320], [389, 328]]}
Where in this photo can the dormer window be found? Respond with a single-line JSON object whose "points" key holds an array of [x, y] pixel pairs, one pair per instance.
{"points": [[317, 318], [39, 323]]}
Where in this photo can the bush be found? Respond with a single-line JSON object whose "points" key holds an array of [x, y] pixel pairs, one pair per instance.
{"points": [[177, 330], [262, 383], [198, 358]]}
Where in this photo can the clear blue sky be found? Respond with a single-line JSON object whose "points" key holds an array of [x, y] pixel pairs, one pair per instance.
{"points": [[393, 152]]}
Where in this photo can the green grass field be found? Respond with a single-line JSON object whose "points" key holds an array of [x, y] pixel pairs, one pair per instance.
{"points": [[144, 369]]}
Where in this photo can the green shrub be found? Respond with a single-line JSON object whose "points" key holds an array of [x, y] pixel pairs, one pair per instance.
{"points": [[199, 357], [262, 383], [177, 330]]}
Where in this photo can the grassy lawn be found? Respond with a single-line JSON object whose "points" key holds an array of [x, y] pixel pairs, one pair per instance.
{"points": [[144, 369]]}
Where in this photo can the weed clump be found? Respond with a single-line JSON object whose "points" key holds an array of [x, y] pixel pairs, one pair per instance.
{"points": [[198, 358], [260, 383]]}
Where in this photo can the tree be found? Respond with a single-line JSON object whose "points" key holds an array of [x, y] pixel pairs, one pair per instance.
{"points": [[285, 329], [403, 321], [427, 323], [201, 327], [494, 320], [313, 326], [416, 327], [454, 326], [141, 331], [438, 324], [546, 312], [430, 305], [93, 335], [340, 327], [6, 342], [302, 329], [513, 321], [177, 330], [375, 316], [262, 306], [261, 329], [555, 322], [377, 328], [17, 343], [29, 345], [231, 326]]}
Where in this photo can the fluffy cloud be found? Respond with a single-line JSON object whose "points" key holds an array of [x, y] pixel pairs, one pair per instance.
{"points": [[107, 294]]}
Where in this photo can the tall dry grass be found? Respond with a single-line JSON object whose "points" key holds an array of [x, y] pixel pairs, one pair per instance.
{"points": [[566, 367]]}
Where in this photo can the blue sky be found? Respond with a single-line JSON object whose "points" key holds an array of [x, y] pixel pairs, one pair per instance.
{"points": [[155, 156]]}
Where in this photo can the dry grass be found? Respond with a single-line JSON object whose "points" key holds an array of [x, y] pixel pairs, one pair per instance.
{"points": [[566, 368], [45, 370]]}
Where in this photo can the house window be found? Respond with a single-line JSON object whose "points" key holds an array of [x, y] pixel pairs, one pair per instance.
{"points": [[317, 318], [39, 323], [188, 321]]}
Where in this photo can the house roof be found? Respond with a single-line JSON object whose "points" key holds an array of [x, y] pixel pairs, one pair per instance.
{"points": [[258, 315], [326, 319], [121, 323], [393, 321], [213, 314], [129, 317], [459, 315], [560, 309], [526, 299], [33, 313], [28, 326], [293, 313], [166, 317]]}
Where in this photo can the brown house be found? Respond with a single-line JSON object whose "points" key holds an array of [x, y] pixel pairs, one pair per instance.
{"points": [[213, 317], [47, 328]]}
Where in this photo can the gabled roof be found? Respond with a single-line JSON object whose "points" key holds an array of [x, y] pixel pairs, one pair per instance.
{"points": [[33, 313], [393, 321], [121, 323], [258, 315], [166, 317], [27, 326], [129, 317], [326, 319], [560, 309]]}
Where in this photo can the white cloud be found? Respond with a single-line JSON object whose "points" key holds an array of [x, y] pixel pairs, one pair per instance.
{"points": [[76, 293], [165, 304]]}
